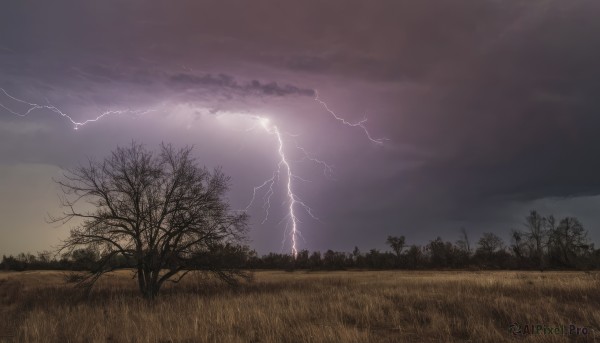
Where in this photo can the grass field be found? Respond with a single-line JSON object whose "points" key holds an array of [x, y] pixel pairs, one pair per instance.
{"points": [[394, 306]]}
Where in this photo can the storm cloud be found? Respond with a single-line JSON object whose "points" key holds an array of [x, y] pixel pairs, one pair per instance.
{"points": [[490, 107], [227, 82]]}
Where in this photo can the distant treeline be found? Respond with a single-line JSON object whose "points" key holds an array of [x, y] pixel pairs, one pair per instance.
{"points": [[544, 243]]}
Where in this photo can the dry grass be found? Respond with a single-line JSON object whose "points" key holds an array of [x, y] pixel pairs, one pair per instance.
{"points": [[304, 307]]}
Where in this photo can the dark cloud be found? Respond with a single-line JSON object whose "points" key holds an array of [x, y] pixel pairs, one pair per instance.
{"points": [[227, 82], [102, 73]]}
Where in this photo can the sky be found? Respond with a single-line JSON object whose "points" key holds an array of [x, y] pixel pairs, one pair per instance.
{"points": [[488, 109]]}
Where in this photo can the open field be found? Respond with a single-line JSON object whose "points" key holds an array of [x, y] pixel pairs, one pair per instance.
{"points": [[388, 306]]}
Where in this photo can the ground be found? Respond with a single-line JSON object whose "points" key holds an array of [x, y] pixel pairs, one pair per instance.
{"points": [[300, 306]]}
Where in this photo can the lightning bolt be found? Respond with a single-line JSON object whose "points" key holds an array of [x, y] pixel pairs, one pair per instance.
{"points": [[327, 169], [283, 169], [359, 124], [267, 197], [290, 192], [76, 125], [293, 200]]}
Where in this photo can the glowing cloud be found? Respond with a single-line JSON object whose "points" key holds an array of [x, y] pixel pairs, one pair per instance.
{"points": [[283, 169]]}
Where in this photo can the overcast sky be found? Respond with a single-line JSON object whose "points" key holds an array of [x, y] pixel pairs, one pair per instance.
{"points": [[489, 108]]}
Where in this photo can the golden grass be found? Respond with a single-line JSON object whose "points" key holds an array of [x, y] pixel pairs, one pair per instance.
{"points": [[387, 306]]}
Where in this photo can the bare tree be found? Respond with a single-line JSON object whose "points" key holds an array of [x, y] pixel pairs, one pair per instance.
{"points": [[537, 235], [489, 243], [518, 246], [463, 243], [397, 244], [569, 240], [158, 208]]}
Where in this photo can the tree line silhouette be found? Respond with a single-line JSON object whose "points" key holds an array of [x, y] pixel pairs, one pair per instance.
{"points": [[160, 214], [543, 243]]}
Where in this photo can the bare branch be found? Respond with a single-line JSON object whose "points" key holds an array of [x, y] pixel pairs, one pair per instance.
{"points": [[161, 209]]}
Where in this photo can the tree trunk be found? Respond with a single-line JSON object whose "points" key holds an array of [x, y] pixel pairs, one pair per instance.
{"points": [[141, 280], [149, 285]]}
